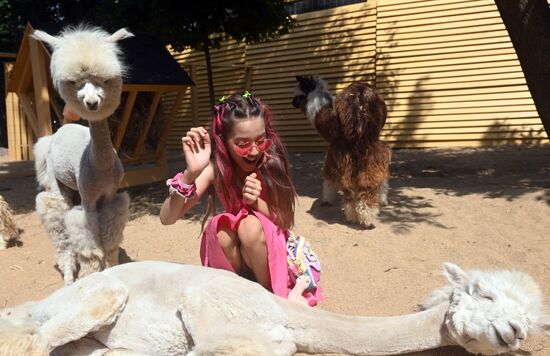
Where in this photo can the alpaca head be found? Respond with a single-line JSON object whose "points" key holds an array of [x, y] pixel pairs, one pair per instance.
{"points": [[86, 69], [490, 312], [306, 85]]}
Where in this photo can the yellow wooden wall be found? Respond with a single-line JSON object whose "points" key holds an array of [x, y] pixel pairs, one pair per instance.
{"points": [[447, 69], [451, 76]]}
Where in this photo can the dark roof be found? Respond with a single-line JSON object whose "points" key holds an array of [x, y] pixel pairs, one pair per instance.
{"points": [[148, 61]]}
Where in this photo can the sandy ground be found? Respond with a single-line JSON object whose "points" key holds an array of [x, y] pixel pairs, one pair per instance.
{"points": [[479, 208]]}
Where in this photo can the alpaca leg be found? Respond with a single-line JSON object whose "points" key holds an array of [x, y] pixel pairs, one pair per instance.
{"points": [[66, 261], [330, 192], [83, 229], [348, 203], [383, 193], [366, 215], [112, 220], [51, 209]]}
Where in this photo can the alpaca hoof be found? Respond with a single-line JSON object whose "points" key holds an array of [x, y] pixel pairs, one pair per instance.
{"points": [[370, 226], [68, 280]]}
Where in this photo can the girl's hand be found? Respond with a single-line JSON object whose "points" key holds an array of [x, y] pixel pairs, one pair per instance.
{"points": [[251, 189], [196, 149]]}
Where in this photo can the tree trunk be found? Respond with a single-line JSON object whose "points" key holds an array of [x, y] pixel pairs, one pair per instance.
{"points": [[528, 24], [209, 75]]}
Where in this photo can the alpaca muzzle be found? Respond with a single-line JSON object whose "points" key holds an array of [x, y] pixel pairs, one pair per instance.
{"points": [[92, 106]]}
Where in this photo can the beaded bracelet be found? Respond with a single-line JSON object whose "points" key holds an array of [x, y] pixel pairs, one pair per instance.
{"points": [[175, 185]]}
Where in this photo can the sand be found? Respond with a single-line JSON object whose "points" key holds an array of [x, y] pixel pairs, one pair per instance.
{"points": [[479, 208]]}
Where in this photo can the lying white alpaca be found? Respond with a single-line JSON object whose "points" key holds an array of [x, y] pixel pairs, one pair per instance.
{"points": [[78, 167], [161, 308], [8, 228]]}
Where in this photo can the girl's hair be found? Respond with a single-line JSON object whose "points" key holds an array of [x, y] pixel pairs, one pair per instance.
{"points": [[273, 168]]}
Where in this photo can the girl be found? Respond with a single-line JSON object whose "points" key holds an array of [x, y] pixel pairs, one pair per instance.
{"points": [[249, 173]]}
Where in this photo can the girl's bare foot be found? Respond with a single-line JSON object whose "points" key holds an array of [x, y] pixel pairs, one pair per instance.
{"points": [[295, 294]]}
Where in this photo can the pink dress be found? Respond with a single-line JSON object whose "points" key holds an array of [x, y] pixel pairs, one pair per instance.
{"points": [[212, 253]]}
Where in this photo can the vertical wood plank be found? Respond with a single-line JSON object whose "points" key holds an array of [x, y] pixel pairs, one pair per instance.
{"points": [[24, 142], [12, 114]]}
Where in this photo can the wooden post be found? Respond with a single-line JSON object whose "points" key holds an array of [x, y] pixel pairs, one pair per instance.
{"points": [[13, 117], [26, 104], [248, 78], [194, 97], [147, 124], [41, 94], [121, 130]]}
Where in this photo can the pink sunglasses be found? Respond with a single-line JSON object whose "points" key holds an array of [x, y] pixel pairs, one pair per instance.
{"points": [[244, 148]]}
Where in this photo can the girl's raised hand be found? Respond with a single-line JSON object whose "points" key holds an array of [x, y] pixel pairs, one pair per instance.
{"points": [[252, 188], [196, 149]]}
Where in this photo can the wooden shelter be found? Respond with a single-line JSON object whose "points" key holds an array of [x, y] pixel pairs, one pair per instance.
{"points": [[33, 107]]}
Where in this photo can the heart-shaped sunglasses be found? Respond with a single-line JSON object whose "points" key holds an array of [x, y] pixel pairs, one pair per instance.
{"points": [[243, 148]]}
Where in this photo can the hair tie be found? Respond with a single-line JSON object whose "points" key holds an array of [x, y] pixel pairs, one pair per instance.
{"points": [[247, 94]]}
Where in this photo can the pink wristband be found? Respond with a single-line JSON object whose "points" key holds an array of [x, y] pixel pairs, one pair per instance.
{"points": [[175, 185]]}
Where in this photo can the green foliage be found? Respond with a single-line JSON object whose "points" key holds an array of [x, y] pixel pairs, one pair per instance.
{"points": [[198, 24], [194, 23], [209, 22], [14, 15]]}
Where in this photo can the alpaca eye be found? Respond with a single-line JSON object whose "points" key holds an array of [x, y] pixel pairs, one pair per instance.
{"points": [[71, 82], [487, 297]]}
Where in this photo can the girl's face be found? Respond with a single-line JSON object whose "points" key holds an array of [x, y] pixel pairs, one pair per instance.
{"points": [[246, 143]]}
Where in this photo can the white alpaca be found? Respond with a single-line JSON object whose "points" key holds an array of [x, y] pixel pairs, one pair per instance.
{"points": [[78, 167], [8, 228], [161, 308]]}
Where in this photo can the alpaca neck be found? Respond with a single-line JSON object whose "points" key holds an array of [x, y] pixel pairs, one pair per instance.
{"points": [[102, 153], [324, 332]]}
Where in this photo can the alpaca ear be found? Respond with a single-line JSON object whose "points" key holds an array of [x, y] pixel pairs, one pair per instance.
{"points": [[45, 37], [455, 274], [120, 35]]}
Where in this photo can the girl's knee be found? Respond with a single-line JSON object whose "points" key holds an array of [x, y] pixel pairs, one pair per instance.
{"points": [[226, 238], [250, 231]]}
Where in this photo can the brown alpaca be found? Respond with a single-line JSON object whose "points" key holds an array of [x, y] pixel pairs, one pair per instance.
{"points": [[357, 162]]}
